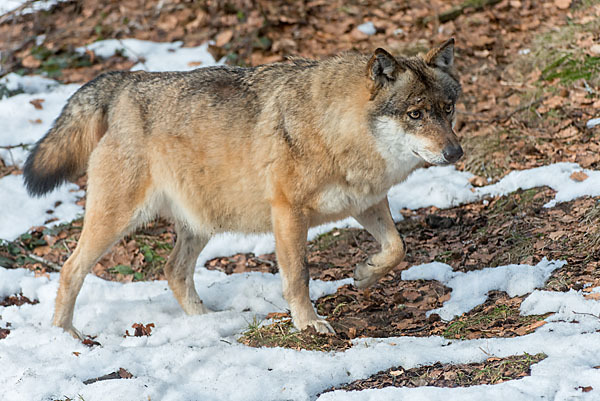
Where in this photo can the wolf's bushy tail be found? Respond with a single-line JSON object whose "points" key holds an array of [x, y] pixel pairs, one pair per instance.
{"points": [[63, 153]]}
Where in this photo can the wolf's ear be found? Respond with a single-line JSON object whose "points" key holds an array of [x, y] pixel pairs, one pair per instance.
{"points": [[382, 67], [442, 56]]}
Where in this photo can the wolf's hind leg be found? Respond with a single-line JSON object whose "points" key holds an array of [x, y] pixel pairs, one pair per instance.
{"points": [[115, 205], [102, 227], [180, 270], [377, 220]]}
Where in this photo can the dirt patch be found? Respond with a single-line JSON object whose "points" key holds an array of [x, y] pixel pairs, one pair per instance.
{"points": [[493, 371]]}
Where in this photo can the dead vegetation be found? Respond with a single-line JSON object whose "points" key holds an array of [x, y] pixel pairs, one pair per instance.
{"points": [[493, 371], [530, 72]]}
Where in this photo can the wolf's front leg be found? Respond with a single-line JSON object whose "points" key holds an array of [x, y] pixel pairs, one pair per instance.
{"points": [[290, 227], [377, 220]]}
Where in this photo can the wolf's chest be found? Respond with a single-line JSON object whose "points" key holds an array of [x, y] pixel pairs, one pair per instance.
{"points": [[338, 199]]}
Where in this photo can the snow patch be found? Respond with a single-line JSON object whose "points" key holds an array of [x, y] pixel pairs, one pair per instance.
{"points": [[19, 211], [21, 122], [592, 123], [153, 56], [198, 357], [10, 5], [368, 28], [470, 289], [444, 186]]}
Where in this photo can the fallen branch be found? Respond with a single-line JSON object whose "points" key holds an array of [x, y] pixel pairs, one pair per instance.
{"points": [[519, 109], [21, 145], [457, 11], [264, 261], [586, 313], [120, 374], [52, 265], [506, 117]]}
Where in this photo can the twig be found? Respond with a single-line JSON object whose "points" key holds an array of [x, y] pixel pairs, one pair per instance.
{"points": [[358, 245], [9, 147], [52, 265], [586, 313], [509, 115], [457, 11], [485, 352], [519, 109], [140, 59], [265, 261], [277, 306]]}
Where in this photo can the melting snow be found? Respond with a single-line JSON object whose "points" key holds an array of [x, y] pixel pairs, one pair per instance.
{"points": [[192, 358], [470, 289]]}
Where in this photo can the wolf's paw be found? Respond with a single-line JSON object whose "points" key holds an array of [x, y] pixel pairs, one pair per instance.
{"points": [[365, 275], [321, 326], [196, 308], [74, 332]]}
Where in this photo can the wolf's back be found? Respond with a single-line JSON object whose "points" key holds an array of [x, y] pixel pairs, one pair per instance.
{"points": [[63, 153]]}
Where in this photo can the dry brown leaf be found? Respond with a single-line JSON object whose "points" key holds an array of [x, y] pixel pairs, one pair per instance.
{"points": [[478, 181], [579, 176], [31, 62], [37, 103], [562, 4], [223, 38], [124, 374]]}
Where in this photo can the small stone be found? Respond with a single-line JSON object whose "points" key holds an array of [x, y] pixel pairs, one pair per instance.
{"points": [[592, 123], [367, 28]]}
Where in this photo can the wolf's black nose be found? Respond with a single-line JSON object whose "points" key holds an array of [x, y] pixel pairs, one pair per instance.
{"points": [[452, 153]]}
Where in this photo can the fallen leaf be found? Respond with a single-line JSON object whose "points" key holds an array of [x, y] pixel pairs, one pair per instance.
{"points": [[478, 181], [223, 38], [37, 103], [562, 4], [277, 315], [31, 62], [124, 374], [140, 330], [579, 176]]}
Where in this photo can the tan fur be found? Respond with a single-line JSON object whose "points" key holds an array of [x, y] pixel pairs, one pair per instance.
{"points": [[282, 149]]}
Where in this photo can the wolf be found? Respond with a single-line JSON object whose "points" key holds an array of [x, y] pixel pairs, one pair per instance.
{"points": [[275, 148]]}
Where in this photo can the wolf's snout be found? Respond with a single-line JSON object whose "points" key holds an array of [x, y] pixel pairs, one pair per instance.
{"points": [[452, 153]]}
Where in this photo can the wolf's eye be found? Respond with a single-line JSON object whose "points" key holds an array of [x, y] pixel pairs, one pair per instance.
{"points": [[449, 108], [414, 114]]}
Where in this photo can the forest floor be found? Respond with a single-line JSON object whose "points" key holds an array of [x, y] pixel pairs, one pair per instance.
{"points": [[531, 81]]}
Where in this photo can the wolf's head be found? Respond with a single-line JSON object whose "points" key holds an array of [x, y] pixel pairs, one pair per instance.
{"points": [[413, 105]]}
